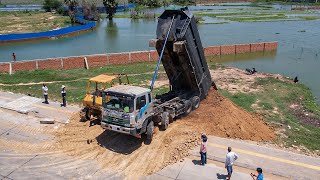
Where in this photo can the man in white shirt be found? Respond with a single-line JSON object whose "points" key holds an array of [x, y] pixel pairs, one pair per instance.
{"points": [[230, 158], [45, 93]]}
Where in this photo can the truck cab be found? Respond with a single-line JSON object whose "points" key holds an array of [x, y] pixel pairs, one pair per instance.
{"points": [[126, 108]]}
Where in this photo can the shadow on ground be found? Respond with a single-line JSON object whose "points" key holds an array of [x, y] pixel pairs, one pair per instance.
{"points": [[221, 176], [196, 162], [120, 143]]}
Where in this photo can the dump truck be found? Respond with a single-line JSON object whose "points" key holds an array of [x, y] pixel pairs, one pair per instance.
{"points": [[92, 101], [133, 110]]}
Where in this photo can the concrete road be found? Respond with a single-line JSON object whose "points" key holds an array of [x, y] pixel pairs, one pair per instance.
{"points": [[271, 160]]}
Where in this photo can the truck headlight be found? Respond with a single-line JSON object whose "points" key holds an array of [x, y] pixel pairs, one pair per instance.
{"points": [[125, 116]]}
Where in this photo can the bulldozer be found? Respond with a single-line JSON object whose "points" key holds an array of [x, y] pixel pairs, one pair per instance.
{"points": [[92, 101]]}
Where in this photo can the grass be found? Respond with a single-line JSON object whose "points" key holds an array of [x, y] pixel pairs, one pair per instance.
{"points": [[241, 99], [22, 22], [278, 94], [77, 79], [258, 13]]}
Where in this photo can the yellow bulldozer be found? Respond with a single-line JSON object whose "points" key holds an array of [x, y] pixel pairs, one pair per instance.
{"points": [[92, 101]]}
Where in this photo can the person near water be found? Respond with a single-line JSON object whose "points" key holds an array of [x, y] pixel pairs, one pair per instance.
{"points": [[14, 57], [259, 176], [203, 149], [295, 80], [230, 158], [45, 93], [63, 94]]}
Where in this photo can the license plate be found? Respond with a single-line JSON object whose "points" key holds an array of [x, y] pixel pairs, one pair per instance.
{"points": [[113, 128]]}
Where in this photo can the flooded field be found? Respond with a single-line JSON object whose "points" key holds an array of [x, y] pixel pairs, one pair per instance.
{"points": [[297, 32]]}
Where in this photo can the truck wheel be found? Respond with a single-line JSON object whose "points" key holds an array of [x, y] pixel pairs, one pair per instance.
{"points": [[165, 120], [150, 128], [188, 107], [195, 102]]}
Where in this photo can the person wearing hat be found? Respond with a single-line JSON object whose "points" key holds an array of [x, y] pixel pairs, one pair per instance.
{"points": [[259, 176], [45, 93], [203, 149], [63, 94]]}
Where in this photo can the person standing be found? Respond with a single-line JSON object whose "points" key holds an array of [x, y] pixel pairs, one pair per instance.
{"points": [[45, 93], [230, 158], [203, 149], [63, 94], [259, 176], [14, 57]]}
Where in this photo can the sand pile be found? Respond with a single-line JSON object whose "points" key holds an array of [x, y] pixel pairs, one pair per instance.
{"points": [[125, 154]]}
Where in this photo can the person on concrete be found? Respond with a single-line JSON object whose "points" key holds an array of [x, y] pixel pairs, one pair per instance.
{"points": [[45, 93], [259, 176], [230, 158], [63, 94], [203, 149], [14, 57]]}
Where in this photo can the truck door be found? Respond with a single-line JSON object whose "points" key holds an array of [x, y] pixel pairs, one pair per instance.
{"points": [[142, 106]]}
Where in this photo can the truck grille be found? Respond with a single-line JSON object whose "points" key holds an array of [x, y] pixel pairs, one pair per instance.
{"points": [[116, 121]]}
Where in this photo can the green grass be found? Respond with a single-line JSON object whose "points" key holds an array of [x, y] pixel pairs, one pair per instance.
{"points": [[21, 22], [77, 88], [241, 99], [280, 95], [309, 18]]}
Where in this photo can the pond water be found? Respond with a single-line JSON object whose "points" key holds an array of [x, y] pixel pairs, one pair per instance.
{"points": [[298, 53]]}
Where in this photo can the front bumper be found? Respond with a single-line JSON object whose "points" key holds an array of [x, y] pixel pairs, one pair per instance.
{"points": [[121, 129]]}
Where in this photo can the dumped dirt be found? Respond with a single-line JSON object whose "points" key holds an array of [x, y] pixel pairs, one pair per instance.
{"points": [[236, 80], [125, 154]]}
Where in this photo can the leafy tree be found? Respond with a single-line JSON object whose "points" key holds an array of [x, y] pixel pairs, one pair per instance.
{"points": [[150, 3], [50, 5], [111, 7], [72, 8]]}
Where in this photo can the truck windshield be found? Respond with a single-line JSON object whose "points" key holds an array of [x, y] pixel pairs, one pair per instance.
{"points": [[122, 103]]}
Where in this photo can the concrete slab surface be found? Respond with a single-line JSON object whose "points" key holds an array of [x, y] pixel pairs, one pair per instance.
{"points": [[271, 160], [35, 108], [22, 104], [171, 171], [10, 162], [190, 170]]}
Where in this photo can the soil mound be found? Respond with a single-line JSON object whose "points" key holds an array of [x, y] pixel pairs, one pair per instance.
{"points": [[125, 154], [220, 117]]}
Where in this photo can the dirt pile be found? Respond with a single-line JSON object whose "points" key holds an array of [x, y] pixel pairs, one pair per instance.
{"points": [[125, 154], [220, 117]]}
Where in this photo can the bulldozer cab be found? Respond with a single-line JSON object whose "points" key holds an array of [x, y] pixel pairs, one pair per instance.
{"points": [[96, 86]]}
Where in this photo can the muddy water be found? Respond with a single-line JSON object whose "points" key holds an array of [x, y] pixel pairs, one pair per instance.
{"points": [[298, 53]]}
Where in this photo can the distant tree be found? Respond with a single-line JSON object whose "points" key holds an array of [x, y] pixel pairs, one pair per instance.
{"points": [[86, 9], [49, 5], [72, 8], [111, 7]]}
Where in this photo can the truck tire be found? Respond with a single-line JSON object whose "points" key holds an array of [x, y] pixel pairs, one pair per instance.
{"points": [[188, 107], [165, 120], [150, 128], [195, 102]]}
